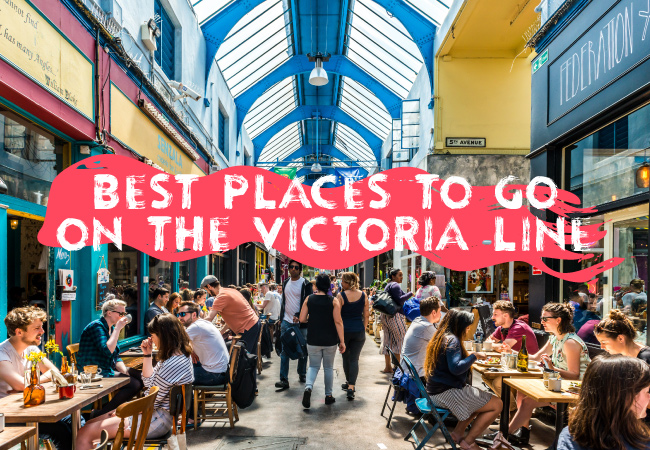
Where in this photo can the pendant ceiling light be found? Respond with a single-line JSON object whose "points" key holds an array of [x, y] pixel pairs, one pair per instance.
{"points": [[318, 76], [316, 167]]}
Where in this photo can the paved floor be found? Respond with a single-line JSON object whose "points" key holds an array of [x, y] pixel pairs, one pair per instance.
{"points": [[344, 425]]}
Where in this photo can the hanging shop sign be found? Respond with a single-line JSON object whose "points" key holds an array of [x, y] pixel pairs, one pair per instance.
{"points": [[34, 46], [465, 142], [608, 50], [136, 129]]}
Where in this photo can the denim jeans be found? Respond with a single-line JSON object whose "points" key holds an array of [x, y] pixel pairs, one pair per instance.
{"points": [[318, 354], [250, 337], [204, 378], [284, 359]]}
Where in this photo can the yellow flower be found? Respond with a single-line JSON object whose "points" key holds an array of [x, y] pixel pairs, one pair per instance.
{"points": [[35, 357], [52, 347]]}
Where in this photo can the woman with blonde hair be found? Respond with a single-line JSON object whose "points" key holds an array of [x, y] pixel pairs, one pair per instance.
{"points": [[355, 312]]}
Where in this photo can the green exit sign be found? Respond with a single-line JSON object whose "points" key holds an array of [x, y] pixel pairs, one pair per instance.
{"points": [[539, 62]]}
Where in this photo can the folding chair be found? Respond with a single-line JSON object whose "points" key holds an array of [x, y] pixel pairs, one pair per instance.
{"points": [[428, 409], [395, 387]]}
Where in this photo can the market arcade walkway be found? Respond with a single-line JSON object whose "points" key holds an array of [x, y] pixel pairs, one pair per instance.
{"points": [[344, 425]]}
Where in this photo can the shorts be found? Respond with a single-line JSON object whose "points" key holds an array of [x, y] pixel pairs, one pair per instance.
{"points": [[161, 423]]}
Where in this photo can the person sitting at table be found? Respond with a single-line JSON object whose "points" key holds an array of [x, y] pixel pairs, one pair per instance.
{"points": [[617, 335], [173, 302], [612, 401], [98, 346], [159, 297], [234, 310], [582, 314], [25, 329], [507, 337], [420, 333], [200, 297], [568, 357], [446, 367], [174, 368], [209, 353], [248, 295]]}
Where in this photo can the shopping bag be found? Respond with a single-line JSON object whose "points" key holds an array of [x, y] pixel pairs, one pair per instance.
{"points": [[177, 440]]}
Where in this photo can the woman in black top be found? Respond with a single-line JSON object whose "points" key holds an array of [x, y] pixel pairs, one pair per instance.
{"points": [[322, 314], [617, 335], [354, 311]]}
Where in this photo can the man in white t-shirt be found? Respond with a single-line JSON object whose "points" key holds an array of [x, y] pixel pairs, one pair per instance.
{"points": [[270, 304], [25, 329], [210, 355], [294, 292]]}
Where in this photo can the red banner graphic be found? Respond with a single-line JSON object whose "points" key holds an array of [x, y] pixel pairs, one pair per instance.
{"points": [[175, 218]]}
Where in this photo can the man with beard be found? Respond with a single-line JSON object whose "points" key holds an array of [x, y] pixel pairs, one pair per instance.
{"points": [[25, 328]]}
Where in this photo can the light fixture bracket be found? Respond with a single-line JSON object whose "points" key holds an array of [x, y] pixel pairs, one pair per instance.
{"points": [[322, 56]]}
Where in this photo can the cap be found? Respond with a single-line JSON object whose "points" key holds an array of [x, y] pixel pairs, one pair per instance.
{"points": [[209, 279]]}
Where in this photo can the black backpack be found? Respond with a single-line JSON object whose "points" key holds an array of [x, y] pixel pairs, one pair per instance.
{"points": [[267, 342], [244, 383]]}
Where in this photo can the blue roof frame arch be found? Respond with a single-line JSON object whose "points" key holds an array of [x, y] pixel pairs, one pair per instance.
{"points": [[339, 64], [310, 149], [333, 113], [216, 28], [327, 171]]}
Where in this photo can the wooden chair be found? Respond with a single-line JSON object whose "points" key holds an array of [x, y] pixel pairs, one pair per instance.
{"points": [[176, 404], [263, 324], [139, 431], [72, 351], [216, 401], [103, 444]]}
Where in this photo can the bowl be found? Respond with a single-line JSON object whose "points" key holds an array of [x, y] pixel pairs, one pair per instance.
{"points": [[533, 365]]}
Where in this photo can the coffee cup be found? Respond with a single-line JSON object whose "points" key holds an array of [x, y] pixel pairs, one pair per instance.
{"points": [[487, 346], [533, 365], [555, 385], [92, 369], [129, 318]]}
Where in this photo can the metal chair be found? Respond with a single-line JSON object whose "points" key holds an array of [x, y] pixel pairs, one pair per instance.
{"points": [[428, 409], [397, 388], [217, 400]]}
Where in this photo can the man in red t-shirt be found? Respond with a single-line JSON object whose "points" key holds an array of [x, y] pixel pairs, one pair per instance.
{"points": [[507, 337]]}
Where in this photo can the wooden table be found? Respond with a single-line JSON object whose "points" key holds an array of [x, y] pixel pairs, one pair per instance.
{"points": [[535, 389], [54, 409], [506, 373], [15, 435]]}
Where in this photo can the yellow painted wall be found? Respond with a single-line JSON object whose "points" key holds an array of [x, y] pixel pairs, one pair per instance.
{"points": [[482, 98]]}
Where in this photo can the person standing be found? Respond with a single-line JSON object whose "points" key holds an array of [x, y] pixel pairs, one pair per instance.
{"points": [[324, 335], [612, 402], [160, 297], [234, 310], [354, 312], [420, 333], [635, 297], [99, 346], [394, 327], [209, 352], [270, 304], [294, 292]]}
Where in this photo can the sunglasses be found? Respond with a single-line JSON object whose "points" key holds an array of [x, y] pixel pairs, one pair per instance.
{"points": [[182, 314], [122, 314], [294, 267], [546, 319]]}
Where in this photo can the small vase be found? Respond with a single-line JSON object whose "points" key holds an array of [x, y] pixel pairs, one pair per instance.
{"points": [[34, 393]]}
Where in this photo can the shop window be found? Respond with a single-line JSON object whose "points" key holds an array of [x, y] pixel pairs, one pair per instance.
{"points": [[30, 158], [123, 283], [601, 168], [223, 129], [160, 274], [166, 42]]}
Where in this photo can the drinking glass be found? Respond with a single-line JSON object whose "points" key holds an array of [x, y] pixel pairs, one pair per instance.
{"points": [[468, 345], [86, 378]]}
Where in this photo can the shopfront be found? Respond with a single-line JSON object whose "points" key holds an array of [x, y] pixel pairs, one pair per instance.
{"points": [[591, 135]]}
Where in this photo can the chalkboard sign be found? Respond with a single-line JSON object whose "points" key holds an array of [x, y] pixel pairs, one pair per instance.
{"points": [[102, 287]]}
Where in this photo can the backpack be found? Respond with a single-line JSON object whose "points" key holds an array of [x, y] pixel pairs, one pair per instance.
{"points": [[244, 383], [266, 342], [384, 303], [411, 308], [277, 338], [293, 343]]}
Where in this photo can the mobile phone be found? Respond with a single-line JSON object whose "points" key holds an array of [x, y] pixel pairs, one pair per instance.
{"points": [[546, 364]]}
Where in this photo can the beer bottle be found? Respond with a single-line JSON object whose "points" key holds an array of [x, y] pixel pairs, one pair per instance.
{"points": [[522, 357], [66, 372]]}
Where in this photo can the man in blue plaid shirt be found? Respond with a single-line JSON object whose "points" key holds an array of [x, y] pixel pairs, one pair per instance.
{"points": [[98, 346]]}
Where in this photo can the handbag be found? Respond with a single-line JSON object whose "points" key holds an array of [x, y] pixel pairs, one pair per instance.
{"points": [[178, 441], [385, 304]]}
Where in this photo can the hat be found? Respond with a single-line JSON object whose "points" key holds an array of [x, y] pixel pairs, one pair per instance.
{"points": [[209, 279]]}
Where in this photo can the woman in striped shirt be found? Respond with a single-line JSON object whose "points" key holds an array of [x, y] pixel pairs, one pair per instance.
{"points": [[174, 368]]}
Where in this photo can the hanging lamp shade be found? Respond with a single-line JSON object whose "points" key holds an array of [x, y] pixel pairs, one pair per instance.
{"points": [[318, 76], [316, 168], [643, 176]]}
